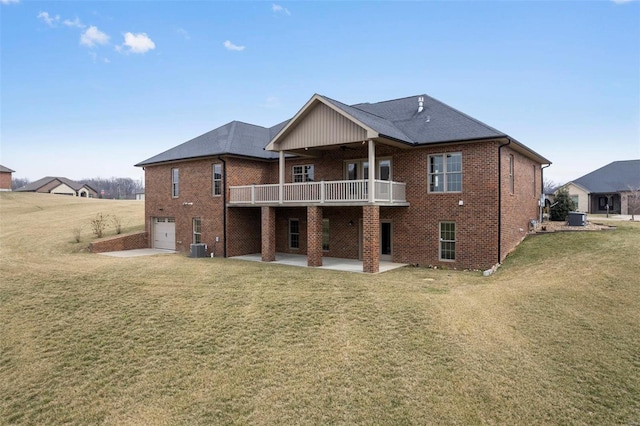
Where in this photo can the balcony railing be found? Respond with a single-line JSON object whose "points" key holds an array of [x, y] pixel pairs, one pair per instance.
{"points": [[324, 192]]}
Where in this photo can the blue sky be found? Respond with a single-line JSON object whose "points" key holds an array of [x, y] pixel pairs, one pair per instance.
{"points": [[89, 88]]}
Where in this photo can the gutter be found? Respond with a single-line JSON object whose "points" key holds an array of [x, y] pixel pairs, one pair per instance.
{"points": [[500, 198], [544, 196], [224, 207]]}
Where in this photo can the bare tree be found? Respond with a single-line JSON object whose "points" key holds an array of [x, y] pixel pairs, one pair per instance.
{"points": [[19, 183], [633, 201], [549, 186], [117, 223]]}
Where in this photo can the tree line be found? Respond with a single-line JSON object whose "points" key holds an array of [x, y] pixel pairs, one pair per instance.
{"points": [[112, 188]]}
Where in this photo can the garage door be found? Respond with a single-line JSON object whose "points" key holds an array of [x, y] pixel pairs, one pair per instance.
{"points": [[164, 233]]}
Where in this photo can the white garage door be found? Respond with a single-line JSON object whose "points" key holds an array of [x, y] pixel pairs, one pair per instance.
{"points": [[164, 233]]}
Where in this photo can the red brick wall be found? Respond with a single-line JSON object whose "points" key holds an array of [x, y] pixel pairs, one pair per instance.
{"points": [[521, 206], [415, 228], [122, 242], [195, 199], [5, 181], [314, 235]]}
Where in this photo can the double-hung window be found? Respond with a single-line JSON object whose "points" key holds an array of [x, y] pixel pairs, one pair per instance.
{"points": [[217, 179], [445, 172], [197, 230], [448, 241], [512, 179], [303, 173], [174, 183]]}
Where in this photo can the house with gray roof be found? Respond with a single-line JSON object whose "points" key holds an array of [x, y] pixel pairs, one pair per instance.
{"points": [[409, 180], [5, 178], [61, 186], [607, 189]]}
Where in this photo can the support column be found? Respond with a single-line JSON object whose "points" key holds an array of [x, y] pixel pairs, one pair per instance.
{"points": [[371, 239], [372, 171], [281, 166], [268, 234], [314, 236]]}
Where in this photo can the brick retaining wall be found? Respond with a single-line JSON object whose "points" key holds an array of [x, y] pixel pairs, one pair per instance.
{"points": [[121, 242]]}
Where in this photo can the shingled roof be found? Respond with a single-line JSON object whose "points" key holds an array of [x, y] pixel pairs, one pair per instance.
{"points": [[614, 177], [397, 119], [4, 169], [34, 186]]}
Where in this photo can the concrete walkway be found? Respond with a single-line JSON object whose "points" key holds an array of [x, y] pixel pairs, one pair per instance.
{"points": [[332, 263], [137, 252]]}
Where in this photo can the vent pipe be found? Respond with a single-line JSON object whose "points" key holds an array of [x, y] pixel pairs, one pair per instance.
{"points": [[420, 104]]}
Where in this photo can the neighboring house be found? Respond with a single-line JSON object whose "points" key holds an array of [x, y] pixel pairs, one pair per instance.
{"points": [[140, 195], [409, 180], [610, 185], [60, 185], [5, 178]]}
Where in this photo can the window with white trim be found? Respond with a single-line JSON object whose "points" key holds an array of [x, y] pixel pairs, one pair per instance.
{"points": [[294, 233], [303, 173], [445, 172], [217, 179], [447, 241], [174, 183], [197, 230]]}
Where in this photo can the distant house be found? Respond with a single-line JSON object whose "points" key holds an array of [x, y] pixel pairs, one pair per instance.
{"points": [[60, 185], [609, 186], [140, 195], [5, 178]]}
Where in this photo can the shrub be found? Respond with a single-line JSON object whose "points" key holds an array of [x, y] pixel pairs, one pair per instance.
{"points": [[98, 224], [77, 233], [562, 206], [117, 223]]}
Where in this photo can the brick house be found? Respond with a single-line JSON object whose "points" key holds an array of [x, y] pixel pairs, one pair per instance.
{"points": [[443, 188], [5, 178]]}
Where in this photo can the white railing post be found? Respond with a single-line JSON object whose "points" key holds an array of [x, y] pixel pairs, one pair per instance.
{"points": [[322, 191], [390, 183], [253, 193]]}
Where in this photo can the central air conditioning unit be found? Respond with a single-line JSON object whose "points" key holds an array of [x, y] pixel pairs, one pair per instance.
{"points": [[198, 250]]}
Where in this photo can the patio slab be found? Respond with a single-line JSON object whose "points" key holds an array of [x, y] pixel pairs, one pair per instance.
{"points": [[332, 263]]}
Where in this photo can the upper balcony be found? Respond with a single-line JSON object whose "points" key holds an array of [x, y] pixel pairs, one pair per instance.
{"points": [[341, 192]]}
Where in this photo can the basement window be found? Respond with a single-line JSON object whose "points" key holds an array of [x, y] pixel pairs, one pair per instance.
{"points": [[325, 234], [294, 234], [447, 241]]}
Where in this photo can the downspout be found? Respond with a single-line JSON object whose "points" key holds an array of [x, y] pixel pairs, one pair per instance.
{"points": [[224, 207], [543, 198], [500, 198]]}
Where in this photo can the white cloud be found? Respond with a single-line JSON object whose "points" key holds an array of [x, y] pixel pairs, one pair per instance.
{"points": [[231, 46], [93, 36], [48, 19], [75, 23], [183, 33], [9, 1], [622, 1], [279, 9], [136, 43]]}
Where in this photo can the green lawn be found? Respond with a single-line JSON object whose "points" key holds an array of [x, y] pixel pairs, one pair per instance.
{"points": [[552, 338]]}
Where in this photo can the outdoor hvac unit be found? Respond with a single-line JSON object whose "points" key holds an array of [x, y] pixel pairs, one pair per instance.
{"points": [[577, 219], [198, 250]]}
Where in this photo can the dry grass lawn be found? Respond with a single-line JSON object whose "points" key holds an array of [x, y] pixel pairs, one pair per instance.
{"points": [[552, 338]]}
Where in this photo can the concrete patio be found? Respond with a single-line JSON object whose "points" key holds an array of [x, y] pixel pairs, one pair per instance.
{"points": [[333, 263]]}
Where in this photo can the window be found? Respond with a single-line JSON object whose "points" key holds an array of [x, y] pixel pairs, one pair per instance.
{"points": [[217, 179], [303, 173], [325, 234], [602, 203], [447, 241], [512, 182], [197, 233], [174, 183], [294, 233], [575, 199], [445, 172], [535, 187], [359, 169]]}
